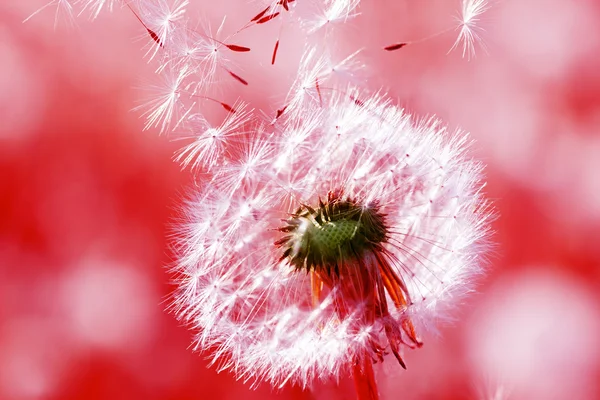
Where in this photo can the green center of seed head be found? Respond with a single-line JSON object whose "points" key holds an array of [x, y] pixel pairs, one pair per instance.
{"points": [[331, 235]]}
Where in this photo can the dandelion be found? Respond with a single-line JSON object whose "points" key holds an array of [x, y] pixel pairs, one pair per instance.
{"points": [[468, 20], [466, 24], [378, 229]]}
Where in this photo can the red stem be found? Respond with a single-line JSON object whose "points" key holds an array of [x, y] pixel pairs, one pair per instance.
{"points": [[364, 379]]}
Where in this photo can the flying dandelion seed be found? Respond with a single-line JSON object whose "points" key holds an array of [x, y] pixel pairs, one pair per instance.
{"points": [[468, 20]]}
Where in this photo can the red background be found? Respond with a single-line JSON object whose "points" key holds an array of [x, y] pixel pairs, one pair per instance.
{"points": [[87, 199]]}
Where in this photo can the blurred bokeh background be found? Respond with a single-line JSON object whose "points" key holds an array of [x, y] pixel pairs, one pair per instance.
{"points": [[87, 200]]}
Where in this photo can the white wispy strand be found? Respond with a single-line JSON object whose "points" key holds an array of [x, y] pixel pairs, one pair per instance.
{"points": [[63, 8], [166, 102], [328, 12], [94, 7]]}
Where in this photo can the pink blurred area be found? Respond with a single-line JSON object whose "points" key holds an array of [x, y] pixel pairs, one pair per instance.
{"points": [[87, 201]]}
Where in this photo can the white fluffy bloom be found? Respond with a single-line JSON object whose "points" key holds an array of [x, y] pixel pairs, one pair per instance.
{"points": [[273, 307]]}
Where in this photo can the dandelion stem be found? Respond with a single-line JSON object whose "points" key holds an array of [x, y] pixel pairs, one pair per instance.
{"points": [[364, 379]]}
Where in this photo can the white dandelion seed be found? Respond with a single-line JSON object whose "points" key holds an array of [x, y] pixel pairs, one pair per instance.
{"points": [[94, 7], [162, 18], [167, 107], [210, 143], [64, 9], [328, 12], [334, 235], [468, 21]]}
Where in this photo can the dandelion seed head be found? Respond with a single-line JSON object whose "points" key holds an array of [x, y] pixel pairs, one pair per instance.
{"points": [[353, 247]]}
